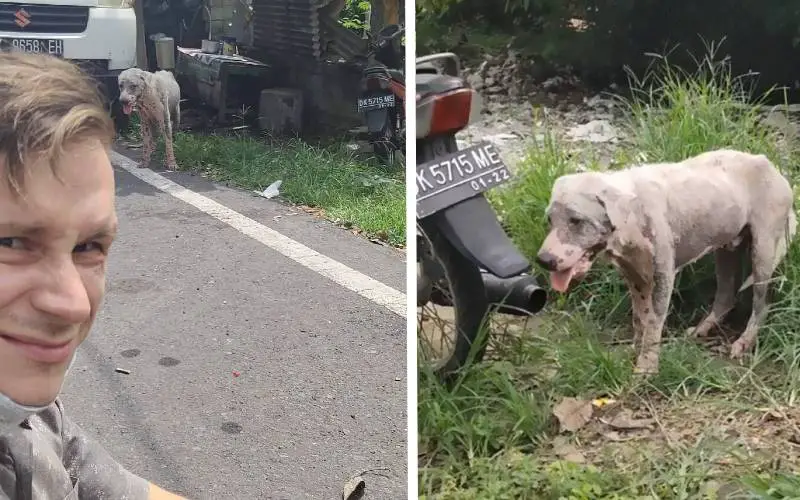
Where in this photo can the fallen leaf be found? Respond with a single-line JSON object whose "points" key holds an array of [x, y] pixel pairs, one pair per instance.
{"points": [[573, 413], [614, 436], [567, 451], [354, 488], [236, 373], [624, 421]]}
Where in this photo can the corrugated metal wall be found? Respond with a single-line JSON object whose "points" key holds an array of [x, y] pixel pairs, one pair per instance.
{"points": [[286, 29]]}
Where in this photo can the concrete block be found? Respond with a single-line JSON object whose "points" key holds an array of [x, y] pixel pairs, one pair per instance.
{"points": [[280, 111]]}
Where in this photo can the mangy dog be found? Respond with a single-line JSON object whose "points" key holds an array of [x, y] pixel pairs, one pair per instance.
{"points": [[654, 219], [156, 97]]}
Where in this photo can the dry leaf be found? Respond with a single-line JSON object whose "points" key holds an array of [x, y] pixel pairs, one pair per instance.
{"points": [[614, 436], [624, 421], [354, 488], [568, 451], [573, 413]]}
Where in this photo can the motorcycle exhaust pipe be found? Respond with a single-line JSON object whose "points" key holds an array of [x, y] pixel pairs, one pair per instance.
{"points": [[520, 295]]}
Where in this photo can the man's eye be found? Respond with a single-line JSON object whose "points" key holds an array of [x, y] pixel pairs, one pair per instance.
{"points": [[12, 243], [91, 246]]}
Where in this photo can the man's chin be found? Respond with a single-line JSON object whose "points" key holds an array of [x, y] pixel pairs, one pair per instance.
{"points": [[35, 393]]}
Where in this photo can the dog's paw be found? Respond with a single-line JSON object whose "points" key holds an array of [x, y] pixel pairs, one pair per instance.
{"points": [[172, 166], [700, 331], [644, 372], [646, 365], [739, 348]]}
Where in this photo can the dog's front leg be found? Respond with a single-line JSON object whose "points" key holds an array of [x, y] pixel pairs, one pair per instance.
{"points": [[147, 141], [653, 315], [650, 296]]}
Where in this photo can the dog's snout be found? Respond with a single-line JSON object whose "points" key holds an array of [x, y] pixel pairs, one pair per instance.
{"points": [[547, 260]]}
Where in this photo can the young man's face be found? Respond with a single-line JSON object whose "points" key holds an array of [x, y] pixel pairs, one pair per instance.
{"points": [[53, 245]]}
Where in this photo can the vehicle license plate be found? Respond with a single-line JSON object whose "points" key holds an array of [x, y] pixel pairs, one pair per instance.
{"points": [[453, 178], [50, 46], [375, 102]]}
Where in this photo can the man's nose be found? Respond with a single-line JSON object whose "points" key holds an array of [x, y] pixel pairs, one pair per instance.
{"points": [[547, 260], [65, 296]]}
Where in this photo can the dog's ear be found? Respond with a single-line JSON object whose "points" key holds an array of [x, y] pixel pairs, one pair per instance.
{"points": [[628, 241], [623, 211]]}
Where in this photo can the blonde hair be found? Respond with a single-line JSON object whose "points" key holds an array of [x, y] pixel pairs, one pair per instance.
{"points": [[46, 104]]}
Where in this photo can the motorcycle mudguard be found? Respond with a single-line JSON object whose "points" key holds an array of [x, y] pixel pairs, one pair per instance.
{"points": [[472, 227], [377, 119]]}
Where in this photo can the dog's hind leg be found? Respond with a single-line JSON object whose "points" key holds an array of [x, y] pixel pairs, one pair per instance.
{"points": [[764, 250], [728, 267], [166, 128], [175, 115]]}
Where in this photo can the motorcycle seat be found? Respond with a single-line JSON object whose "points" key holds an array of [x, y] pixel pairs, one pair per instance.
{"points": [[436, 84], [398, 75]]}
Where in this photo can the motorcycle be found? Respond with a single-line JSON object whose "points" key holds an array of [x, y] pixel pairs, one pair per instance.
{"points": [[382, 94], [465, 259]]}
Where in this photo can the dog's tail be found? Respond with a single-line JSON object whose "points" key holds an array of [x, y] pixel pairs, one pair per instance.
{"points": [[781, 246]]}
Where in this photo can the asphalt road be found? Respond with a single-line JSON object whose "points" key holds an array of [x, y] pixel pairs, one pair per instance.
{"points": [[192, 302]]}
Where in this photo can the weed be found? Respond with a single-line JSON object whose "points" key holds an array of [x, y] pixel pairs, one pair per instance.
{"points": [[349, 191], [491, 434]]}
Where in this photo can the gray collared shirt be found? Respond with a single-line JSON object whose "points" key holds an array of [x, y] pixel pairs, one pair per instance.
{"points": [[50, 458]]}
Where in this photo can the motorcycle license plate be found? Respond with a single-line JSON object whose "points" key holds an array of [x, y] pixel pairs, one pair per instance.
{"points": [[375, 102], [452, 178]]}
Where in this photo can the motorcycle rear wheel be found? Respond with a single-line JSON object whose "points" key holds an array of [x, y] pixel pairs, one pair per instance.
{"points": [[457, 332], [461, 285]]}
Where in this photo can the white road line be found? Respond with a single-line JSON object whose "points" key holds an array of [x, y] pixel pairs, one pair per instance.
{"points": [[335, 271]]}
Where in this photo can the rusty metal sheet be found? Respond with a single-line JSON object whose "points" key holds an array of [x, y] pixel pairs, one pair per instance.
{"points": [[306, 29], [286, 29]]}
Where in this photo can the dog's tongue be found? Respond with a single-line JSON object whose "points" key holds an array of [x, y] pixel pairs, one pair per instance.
{"points": [[559, 280], [127, 108]]}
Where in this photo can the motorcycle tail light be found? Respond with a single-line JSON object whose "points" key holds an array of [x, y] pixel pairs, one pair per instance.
{"points": [[451, 111], [376, 83]]}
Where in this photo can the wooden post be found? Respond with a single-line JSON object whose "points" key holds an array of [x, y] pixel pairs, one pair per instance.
{"points": [[141, 47], [384, 12]]}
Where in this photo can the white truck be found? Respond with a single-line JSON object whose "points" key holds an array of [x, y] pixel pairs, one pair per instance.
{"points": [[98, 35]]}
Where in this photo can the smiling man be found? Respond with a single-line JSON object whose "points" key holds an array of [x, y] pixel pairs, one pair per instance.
{"points": [[57, 222]]}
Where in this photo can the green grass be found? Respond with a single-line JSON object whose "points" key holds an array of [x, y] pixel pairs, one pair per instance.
{"points": [[353, 192], [720, 429]]}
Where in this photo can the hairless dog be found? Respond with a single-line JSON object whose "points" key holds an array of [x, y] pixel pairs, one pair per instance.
{"points": [[652, 220], [156, 97]]}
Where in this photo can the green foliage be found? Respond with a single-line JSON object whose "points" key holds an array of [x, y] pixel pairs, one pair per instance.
{"points": [[491, 434], [762, 36], [353, 15]]}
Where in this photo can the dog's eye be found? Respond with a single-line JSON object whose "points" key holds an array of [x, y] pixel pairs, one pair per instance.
{"points": [[574, 221]]}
